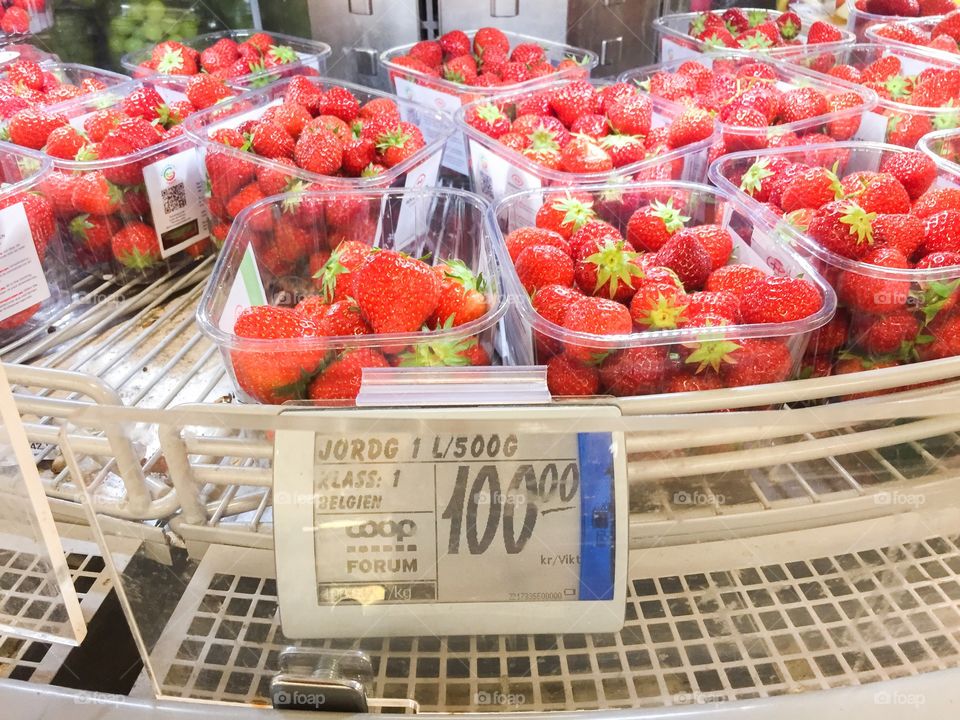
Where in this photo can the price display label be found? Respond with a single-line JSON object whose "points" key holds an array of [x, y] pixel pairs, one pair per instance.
{"points": [[448, 529]]}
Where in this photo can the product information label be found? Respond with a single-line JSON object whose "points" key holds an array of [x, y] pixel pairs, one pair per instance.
{"points": [[246, 291], [495, 177], [462, 518], [412, 219], [175, 189], [454, 156], [22, 282]]}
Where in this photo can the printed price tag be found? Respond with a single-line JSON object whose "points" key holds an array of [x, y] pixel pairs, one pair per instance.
{"points": [[454, 530], [22, 282], [246, 291], [175, 189], [455, 156], [414, 208]]}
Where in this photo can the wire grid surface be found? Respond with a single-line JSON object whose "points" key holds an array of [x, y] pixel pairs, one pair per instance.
{"points": [[22, 659], [749, 632]]}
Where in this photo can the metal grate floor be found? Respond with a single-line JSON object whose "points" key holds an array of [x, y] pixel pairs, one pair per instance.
{"points": [[741, 633]]}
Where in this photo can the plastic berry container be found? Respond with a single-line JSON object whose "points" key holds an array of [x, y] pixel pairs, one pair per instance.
{"points": [[311, 56], [34, 284], [944, 148], [38, 18], [14, 50], [418, 170], [130, 217], [448, 96], [868, 294], [650, 361], [74, 74], [860, 21], [497, 170], [437, 225], [894, 121], [832, 125], [887, 33], [676, 42]]}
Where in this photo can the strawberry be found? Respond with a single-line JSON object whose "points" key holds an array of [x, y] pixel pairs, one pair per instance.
{"points": [[592, 235], [734, 279], [341, 379], [685, 255], [488, 119], [93, 233], [801, 104], [427, 51], [15, 20], [454, 43], [633, 116], [748, 123], [277, 372], [903, 232], [877, 192], [318, 151], [843, 227], [205, 91], [902, 8], [25, 73], [789, 25], [584, 155], [143, 102], [693, 383], [301, 91], [821, 32], [937, 200], [172, 58], [885, 334], [758, 361], [92, 193], [659, 304], [717, 304], [339, 102], [948, 25], [945, 331], [691, 126], [811, 188], [573, 100], [338, 319], [219, 56], [462, 69], [941, 232], [64, 142], [461, 295], [565, 213], [521, 238], [32, 126], [489, 37], [652, 226], [246, 196], [914, 170], [907, 129], [776, 299], [336, 277], [271, 140], [136, 246], [634, 371], [396, 293], [399, 145], [541, 265], [608, 270], [569, 377], [873, 293], [594, 316], [624, 149]]}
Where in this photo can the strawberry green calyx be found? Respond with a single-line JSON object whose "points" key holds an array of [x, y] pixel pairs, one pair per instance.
{"points": [[898, 87], [490, 113], [458, 270], [445, 353], [665, 315], [698, 25], [298, 388], [171, 61], [756, 17], [712, 354], [166, 116], [80, 225], [789, 30], [395, 138], [860, 222], [672, 219], [947, 120], [643, 84], [328, 275], [752, 181], [581, 61], [713, 42], [798, 219], [757, 41], [138, 260], [542, 140], [576, 213], [835, 184], [4, 133], [291, 203], [282, 54], [86, 154], [615, 264], [371, 170], [935, 297]]}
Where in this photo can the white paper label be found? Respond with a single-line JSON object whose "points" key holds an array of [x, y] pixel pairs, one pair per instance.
{"points": [[671, 50], [22, 282], [495, 177], [170, 95], [873, 127], [246, 291], [454, 157], [412, 208], [8, 56], [175, 189]]}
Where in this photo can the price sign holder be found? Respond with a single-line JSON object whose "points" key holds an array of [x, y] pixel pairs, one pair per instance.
{"points": [[457, 525]]}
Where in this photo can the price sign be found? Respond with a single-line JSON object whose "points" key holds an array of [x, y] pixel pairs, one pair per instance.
{"points": [[448, 529]]}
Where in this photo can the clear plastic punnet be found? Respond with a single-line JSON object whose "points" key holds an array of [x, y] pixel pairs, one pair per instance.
{"points": [[837, 124], [676, 42], [417, 171], [649, 360], [896, 121], [944, 148], [13, 50], [311, 56], [497, 170], [129, 216], [74, 74], [34, 283], [32, 19], [890, 33], [860, 21], [438, 225], [871, 298]]}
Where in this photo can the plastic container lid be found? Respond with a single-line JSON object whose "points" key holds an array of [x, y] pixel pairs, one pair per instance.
{"points": [[312, 54], [555, 53]]}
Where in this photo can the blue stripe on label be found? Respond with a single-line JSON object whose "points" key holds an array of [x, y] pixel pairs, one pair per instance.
{"points": [[597, 516]]}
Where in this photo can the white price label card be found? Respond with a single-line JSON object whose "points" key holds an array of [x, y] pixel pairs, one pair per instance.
{"points": [[246, 291], [175, 189], [873, 127], [450, 530], [414, 207], [454, 157], [22, 282]]}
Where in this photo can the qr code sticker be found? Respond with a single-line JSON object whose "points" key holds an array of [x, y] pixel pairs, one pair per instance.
{"points": [[174, 198]]}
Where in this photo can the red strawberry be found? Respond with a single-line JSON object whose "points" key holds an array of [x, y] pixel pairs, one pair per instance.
{"points": [[92, 193], [279, 371], [734, 279], [821, 32], [399, 145], [757, 362], [318, 151], [540, 265], [691, 126], [247, 195], [336, 277], [915, 171], [802, 104], [573, 100], [461, 295], [592, 235], [594, 316], [885, 334], [716, 240], [455, 43], [843, 227], [396, 293], [565, 214], [569, 377], [789, 25], [633, 116], [462, 69], [811, 188], [271, 140], [15, 20], [144, 102], [937, 200], [521, 238], [945, 331], [717, 304], [301, 91], [428, 51], [205, 91], [341, 379], [489, 37], [624, 149], [875, 293], [685, 255], [659, 304], [907, 129], [488, 119], [32, 126], [693, 383], [776, 299], [584, 155], [64, 142], [94, 234], [608, 270], [634, 371], [903, 232], [136, 246], [652, 226], [941, 232]]}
